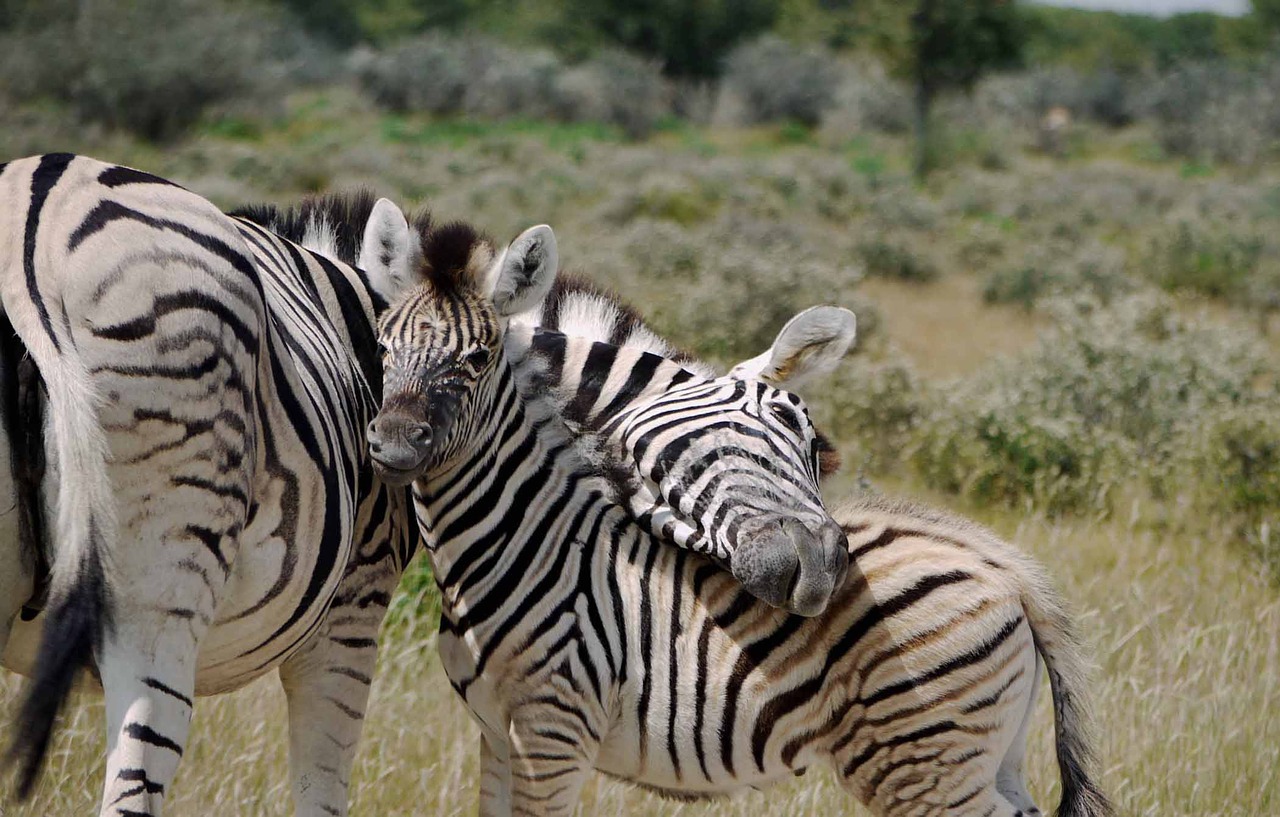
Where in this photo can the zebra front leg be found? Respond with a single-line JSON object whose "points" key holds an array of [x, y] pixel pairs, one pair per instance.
{"points": [[551, 755]]}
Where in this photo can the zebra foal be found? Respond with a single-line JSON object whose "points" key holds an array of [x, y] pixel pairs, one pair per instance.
{"points": [[580, 640]]}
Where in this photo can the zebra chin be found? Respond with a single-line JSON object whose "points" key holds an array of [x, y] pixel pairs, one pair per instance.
{"points": [[788, 565]]}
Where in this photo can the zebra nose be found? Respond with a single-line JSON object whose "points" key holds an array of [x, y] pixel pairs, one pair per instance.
{"points": [[397, 439]]}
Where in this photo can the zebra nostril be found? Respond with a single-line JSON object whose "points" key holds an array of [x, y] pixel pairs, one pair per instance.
{"points": [[419, 434]]}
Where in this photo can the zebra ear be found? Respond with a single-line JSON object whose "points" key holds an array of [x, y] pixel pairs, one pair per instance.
{"points": [[811, 344], [522, 276], [390, 251]]}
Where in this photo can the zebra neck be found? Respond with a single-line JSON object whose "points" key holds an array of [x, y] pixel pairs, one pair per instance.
{"points": [[510, 505]]}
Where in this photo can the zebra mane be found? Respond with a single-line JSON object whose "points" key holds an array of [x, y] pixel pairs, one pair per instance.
{"points": [[331, 224], [579, 307]]}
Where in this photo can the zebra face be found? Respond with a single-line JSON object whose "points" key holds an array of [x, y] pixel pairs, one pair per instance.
{"points": [[441, 342], [432, 365], [731, 467]]}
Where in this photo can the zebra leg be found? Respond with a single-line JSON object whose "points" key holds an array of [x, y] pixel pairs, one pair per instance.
{"points": [[495, 777], [327, 685], [551, 756], [148, 697]]}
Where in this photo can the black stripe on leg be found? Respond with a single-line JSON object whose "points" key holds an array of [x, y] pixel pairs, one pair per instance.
{"points": [[145, 734], [167, 690]]}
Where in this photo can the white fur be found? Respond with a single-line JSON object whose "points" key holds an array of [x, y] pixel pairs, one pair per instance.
{"points": [[522, 276], [811, 344], [389, 250]]}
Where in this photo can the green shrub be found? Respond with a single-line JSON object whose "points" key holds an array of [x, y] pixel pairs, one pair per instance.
{"points": [[1209, 261], [874, 409], [778, 81], [885, 259], [1019, 285], [149, 66], [1112, 397]]}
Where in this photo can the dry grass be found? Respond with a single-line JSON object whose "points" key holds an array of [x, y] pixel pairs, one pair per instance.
{"points": [[1188, 696]]}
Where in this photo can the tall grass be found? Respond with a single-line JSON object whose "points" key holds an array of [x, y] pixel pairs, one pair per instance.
{"points": [[1187, 691]]}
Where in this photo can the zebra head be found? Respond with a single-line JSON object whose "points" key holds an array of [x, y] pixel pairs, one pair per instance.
{"points": [[730, 466], [441, 344]]}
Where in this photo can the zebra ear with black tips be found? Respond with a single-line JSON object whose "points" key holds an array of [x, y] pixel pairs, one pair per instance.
{"points": [[390, 251], [811, 344], [522, 276]]}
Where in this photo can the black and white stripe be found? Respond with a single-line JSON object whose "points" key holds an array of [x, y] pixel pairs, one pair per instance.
{"points": [[701, 449], [200, 391], [581, 640]]}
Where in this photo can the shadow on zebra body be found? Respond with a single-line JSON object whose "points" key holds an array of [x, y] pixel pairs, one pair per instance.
{"points": [[580, 640]]}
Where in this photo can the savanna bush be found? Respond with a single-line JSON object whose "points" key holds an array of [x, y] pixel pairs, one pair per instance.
{"points": [[875, 407], [1214, 111], [149, 66], [617, 88], [1110, 398], [1211, 260], [775, 80], [884, 258], [446, 74]]}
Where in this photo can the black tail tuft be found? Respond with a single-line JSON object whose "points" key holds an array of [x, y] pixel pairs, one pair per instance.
{"points": [[1081, 795], [74, 627]]}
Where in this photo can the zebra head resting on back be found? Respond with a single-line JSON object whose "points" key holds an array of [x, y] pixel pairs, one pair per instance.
{"points": [[579, 640], [199, 388], [729, 465]]}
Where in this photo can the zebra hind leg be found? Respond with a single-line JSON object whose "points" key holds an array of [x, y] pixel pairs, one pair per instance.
{"points": [[327, 685], [149, 709]]}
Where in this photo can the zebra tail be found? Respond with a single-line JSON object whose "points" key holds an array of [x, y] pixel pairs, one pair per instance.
{"points": [[78, 614], [1068, 672]]}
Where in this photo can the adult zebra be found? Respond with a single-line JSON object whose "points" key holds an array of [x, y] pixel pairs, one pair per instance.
{"points": [[579, 640], [237, 370], [206, 388]]}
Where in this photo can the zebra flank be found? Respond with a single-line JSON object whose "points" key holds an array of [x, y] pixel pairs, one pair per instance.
{"points": [[199, 388], [580, 639]]}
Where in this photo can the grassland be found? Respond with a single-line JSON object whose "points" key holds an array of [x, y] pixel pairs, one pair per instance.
{"points": [[719, 235]]}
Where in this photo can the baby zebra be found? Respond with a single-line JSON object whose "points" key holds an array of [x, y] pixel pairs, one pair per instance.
{"points": [[578, 640]]}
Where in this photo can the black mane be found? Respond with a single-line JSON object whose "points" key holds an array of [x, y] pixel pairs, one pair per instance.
{"points": [[343, 214]]}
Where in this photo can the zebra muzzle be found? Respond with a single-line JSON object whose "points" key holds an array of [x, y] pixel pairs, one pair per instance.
{"points": [[399, 447]]}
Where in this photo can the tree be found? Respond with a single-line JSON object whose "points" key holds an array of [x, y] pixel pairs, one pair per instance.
{"points": [[952, 44], [690, 37]]}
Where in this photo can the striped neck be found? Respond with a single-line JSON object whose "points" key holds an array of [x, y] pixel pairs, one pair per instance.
{"points": [[509, 499]]}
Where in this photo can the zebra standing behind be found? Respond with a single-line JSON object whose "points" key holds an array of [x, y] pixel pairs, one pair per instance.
{"points": [[580, 640]]}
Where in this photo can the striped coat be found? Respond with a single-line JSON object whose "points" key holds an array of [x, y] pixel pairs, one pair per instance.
{"points": [[580, 640]]}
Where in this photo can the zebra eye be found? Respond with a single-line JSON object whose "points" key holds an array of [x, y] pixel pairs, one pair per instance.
{"points": [[786, 416], [477, 358], [383, 349]]}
